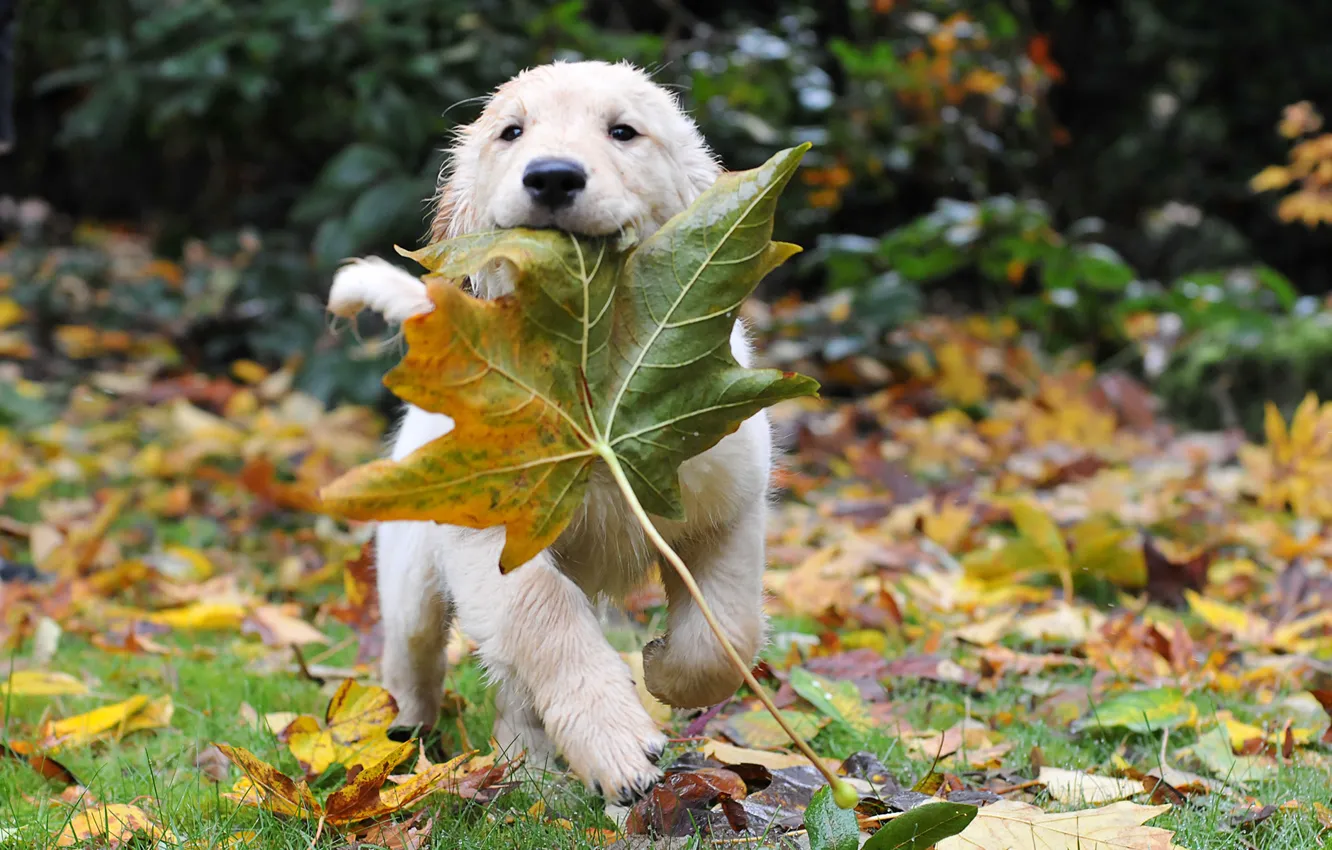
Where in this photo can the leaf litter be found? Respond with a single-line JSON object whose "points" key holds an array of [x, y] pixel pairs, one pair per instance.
{"points": [[166, 517]]}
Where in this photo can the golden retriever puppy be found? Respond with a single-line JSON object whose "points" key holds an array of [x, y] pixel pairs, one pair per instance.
{"points": [[588, 148]]}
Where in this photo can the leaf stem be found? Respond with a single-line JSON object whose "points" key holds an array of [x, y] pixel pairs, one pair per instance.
{"points": [[687, 577]]}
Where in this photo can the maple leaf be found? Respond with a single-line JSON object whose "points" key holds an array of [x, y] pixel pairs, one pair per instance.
{"points": [[354, 732], [600, 354], [1019, 826], [363, 796]]}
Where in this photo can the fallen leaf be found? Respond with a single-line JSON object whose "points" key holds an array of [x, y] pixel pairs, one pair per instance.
{"points": [[1074, 787], [1012, 825], [42, 683], [114, 824], [922, 827], [1147, 711], [838, 700], [354, 732], [830, 827], [728, 754], [276, 626]]}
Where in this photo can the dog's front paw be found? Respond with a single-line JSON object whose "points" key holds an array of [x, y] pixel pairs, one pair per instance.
{"points": [[626, 784], [620, 763]]}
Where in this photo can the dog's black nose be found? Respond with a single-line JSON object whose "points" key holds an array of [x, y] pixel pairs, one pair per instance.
{"points": [[552, 182]]}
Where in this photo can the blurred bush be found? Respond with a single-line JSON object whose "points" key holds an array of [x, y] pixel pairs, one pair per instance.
{"points": [[1079, 166]]}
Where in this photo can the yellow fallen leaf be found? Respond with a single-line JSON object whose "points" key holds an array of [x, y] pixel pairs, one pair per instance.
{"points": [[1080, 788], [1241, 624], [42, 683], [201, 616], [83, 728], [1064, 623], [155, 715], [354, 732], [1239, 732], [1011, 825], [113, 825]]}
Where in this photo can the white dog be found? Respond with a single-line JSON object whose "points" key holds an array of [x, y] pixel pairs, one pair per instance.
{"points": [[589, 148]]}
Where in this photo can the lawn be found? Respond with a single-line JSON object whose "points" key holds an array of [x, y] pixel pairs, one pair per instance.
{"points": [[1002, 567]]}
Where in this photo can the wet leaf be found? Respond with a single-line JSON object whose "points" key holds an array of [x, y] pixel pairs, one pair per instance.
{"points": [[830, 827], [838, 700]]}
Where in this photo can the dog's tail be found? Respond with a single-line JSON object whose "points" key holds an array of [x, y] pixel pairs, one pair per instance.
{"points": [[380, 286]]}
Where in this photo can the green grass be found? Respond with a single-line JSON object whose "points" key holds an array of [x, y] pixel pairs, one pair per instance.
{"points": [[208, 695]]}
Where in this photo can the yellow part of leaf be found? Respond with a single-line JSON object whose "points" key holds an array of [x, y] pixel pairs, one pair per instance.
{"points": [[1034, 524], [1076, 787], [84, 728], [264, 786], [156, 714], [113, 825], [1011, 825], [1229, 619], [42, 683], [201, 616], [1271, 177], [354, 732], [1239, 732]]}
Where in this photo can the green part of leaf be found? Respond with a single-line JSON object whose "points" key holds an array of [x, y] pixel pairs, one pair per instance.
{"points": [[830, 827], [597, 354], [922, 827], [839, 700], [1145, 712], [1214, 751]]}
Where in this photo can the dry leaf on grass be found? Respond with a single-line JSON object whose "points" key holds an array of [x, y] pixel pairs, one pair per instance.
{"points": [[1078, 787], [1010, 825], [354, 732], [112, 825]]}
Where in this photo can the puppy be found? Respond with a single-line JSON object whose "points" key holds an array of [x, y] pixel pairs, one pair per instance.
{"points": [[589, 148]]}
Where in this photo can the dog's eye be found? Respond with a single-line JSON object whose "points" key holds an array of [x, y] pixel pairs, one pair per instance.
{"points": [[622, 132], [510, 133]]}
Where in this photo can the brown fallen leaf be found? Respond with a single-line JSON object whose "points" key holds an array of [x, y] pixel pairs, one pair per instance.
{"points": [[674, 802], [46, 767], [212, 763], [266, 787]]}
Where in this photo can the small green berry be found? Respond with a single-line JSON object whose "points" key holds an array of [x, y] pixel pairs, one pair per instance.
{"points": [[845, 796]]}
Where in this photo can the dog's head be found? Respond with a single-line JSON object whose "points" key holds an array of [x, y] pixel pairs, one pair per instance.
{"points": [[585, 147]]}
